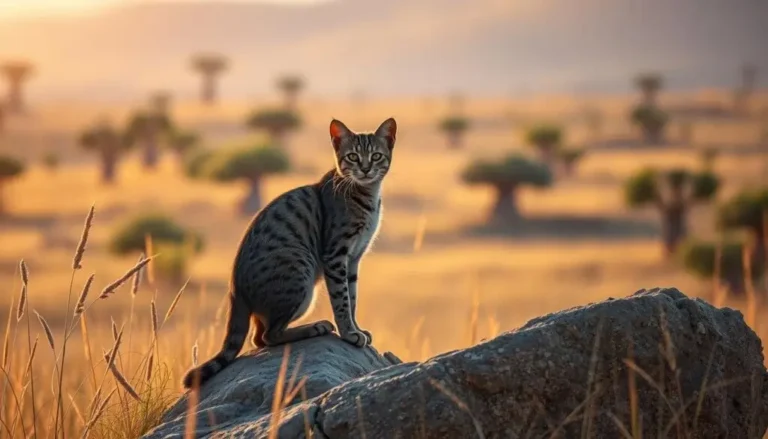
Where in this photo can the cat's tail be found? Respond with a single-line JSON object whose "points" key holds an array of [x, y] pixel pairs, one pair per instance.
{"points": [[237, 330]]}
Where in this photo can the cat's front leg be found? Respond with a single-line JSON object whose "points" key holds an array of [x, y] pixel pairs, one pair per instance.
{"points": [[354, 265], [336, 272]]}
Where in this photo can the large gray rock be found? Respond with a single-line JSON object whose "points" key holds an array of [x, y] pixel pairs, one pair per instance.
{"points": [[657, 362]]}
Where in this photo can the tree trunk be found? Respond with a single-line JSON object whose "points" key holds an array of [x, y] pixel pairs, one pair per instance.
{"points": [[2, 197], [290, 100], [15, 102], [151, 152], [208, 92], [547, 155], [251, 204], [108, 167], [277, 138], [652, 136], [455, 140], [505, 206], [674, 227]]}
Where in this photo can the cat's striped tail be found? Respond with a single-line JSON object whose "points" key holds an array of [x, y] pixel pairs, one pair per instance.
{"points": [[237, 330]]}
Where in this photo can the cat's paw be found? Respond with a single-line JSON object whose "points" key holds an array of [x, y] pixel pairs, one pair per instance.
{"points": [[356, 338], [367, 335], [323, 327]]}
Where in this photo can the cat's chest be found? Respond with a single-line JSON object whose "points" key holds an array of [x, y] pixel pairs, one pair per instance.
{"points": [[366, 230]]}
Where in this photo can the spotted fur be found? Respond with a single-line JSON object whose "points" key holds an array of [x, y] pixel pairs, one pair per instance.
{"points": [[313, 232]]}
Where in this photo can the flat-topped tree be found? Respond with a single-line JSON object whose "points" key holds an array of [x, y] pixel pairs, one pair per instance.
{"points": [[16, 73], [250, 164], [454, 128], [210, 66], [146, 128], [649, 84], [182, 143], [109, 144], [506, 176], [673, 193], [290, 85], [546, 138], [570, 158], [10, 168], [651, 121], [276, 122]]}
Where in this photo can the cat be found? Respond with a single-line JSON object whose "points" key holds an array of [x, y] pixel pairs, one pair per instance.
{"points": [[311, 232]]}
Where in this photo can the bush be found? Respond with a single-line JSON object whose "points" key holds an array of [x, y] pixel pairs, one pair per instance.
{"points": [[195, 162], [51, 160], [172, 261], [132, 235], [699, 259]]}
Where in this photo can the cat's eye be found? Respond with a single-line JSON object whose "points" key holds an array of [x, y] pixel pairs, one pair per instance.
{"points": [[376, 156], [352, 157]]}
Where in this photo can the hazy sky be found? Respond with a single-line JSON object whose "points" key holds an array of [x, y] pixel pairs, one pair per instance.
{"points": [[17, 8]]}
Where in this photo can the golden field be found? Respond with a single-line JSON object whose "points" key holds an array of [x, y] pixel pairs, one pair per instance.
{"points": [[429, 285]]}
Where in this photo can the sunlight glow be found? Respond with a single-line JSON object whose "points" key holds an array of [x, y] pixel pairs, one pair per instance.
{"points": [[26, 8]]}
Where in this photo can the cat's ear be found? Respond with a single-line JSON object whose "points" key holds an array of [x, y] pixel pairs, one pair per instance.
{"points": [[388, 130], [339, 131]]}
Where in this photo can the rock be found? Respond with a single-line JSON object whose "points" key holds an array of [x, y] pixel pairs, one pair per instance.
{"points": [[696, 371]]}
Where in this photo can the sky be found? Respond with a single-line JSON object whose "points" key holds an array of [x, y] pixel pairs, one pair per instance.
{"points": [[25, 8]]}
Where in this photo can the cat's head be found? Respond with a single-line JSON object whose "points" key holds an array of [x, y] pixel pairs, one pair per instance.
{"points": [[363, 158]]}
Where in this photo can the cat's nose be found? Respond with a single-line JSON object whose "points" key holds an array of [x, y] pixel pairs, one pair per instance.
{"points": [[366, 171]]}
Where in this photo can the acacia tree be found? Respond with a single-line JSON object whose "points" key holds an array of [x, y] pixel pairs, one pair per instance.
{"points": [[673, 193], [109, 144], [16, 73], [547, 139], [10, 168], [290, 85], [210, 66], [649, 84], [454, 128], [651, 121], [130, 237], [276, 122], [506, 176], [251, 164], [147, 128]]}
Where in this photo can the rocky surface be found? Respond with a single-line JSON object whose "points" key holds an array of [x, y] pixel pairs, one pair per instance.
{"points": [[656, 362]]}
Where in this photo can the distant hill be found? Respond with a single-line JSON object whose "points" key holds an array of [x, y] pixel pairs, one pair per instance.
{"points": [[395, 46]]}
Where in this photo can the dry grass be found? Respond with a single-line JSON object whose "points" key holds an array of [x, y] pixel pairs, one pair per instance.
{"points": [[425, 271]]}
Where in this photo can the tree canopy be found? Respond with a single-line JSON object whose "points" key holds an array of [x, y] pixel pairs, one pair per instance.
{"points": [[746, 209], [10, 167], [274, 120], [244, 163], [510, 170], [649, 117], [545, 135], [645, 186], [454, 124]]}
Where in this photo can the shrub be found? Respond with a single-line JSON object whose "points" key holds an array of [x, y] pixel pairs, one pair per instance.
{"points": [[131, 236]]}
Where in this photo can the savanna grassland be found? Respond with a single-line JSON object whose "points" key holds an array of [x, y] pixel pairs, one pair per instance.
{"points": [[434, 281]]}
